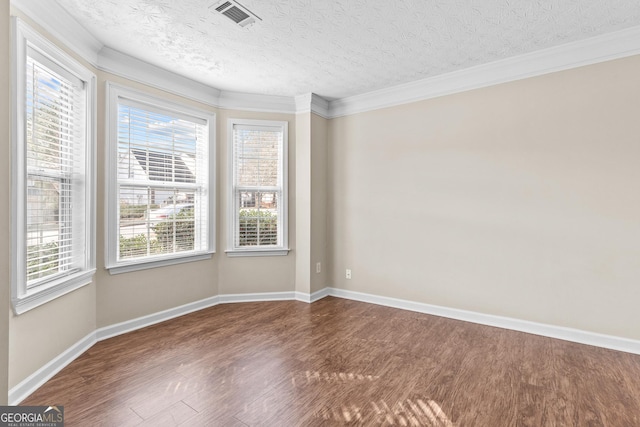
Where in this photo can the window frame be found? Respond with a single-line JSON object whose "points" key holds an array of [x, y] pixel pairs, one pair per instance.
{"points": [[244, 251], [23, 297], [114, 92]]}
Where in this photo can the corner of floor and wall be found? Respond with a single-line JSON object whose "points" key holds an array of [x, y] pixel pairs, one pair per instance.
{"points": [[513, 204]]}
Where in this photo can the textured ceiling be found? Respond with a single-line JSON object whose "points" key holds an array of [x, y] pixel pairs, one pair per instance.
{"points": [[339, 48]]}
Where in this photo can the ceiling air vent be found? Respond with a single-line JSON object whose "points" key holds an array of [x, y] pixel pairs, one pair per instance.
{"points": [[236, 12]]}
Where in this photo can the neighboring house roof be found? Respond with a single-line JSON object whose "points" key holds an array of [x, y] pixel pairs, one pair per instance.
{"points": [[163, 166]]}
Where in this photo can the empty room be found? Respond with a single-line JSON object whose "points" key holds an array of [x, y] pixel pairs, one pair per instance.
{"points": [[317, 213]]}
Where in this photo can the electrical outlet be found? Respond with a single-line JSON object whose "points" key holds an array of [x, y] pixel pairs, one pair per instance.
{"points": [[318, 267], [348, 273]]}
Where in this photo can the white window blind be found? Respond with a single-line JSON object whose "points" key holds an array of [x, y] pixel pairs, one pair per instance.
{"points": [[258, 175], [55, 166], [52, 174], [162, 174]]}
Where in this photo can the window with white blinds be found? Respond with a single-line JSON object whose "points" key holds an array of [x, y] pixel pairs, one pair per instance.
{"points": [[55, 138], [160, 172], [259, 181], [53, 185]]}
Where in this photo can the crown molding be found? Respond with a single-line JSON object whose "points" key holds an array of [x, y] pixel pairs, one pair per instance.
{"points": [[312, 103], [123, 65], [255, 102], [594, 50], [55, 20], [320, 106]]}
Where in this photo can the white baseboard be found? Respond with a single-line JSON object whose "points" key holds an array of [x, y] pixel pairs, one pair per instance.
{"points": [[309, 298], [264, 296], [568, 334], [30, 384], [42, 375], [161, 316], [151, 319], [318, 295]]}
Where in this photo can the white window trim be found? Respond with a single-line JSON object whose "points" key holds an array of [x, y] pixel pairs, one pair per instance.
{"points": [[113, 93], [252, 251], [24, 299]]}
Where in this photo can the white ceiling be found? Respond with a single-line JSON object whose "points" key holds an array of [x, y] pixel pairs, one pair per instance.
{"points": [[340, 48]]}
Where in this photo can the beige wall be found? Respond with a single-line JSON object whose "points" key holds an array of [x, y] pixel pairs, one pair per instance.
{"points": [[41, 334], [518, 200], [319, 141], [5, 199], [310, 199], [303, 203]]}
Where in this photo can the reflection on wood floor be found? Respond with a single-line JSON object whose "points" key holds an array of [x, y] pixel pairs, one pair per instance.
{"points": [[341, 362]]}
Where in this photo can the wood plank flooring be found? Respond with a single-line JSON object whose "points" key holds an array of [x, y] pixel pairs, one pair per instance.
{"points": [[341, 362]]}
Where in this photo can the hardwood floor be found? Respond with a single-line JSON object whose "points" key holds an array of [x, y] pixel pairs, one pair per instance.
{"points": [[337, 362]]}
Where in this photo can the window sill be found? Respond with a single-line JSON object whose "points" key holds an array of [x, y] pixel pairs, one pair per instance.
{"points": [[46, 293], [257, 252], [145, 265]]}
